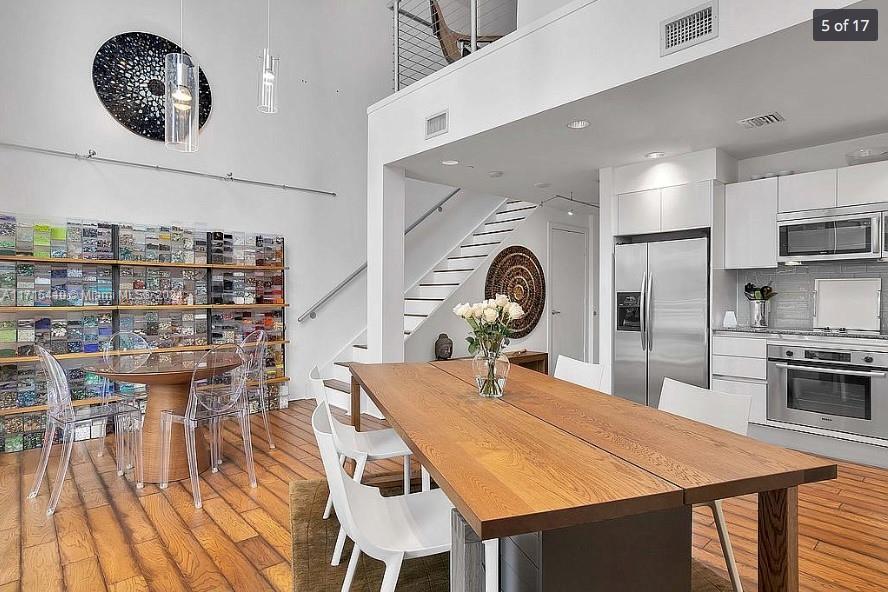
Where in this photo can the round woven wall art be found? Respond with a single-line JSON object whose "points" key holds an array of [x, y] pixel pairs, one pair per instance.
{"points": [[517, 273], [128, 74]]}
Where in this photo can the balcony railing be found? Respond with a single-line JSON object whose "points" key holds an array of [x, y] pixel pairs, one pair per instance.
{"points": [[430, 34]]}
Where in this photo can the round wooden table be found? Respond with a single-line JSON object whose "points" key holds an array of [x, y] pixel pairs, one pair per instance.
{"points": [[168, 377]]}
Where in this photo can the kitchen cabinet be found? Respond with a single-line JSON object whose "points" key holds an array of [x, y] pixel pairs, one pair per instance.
{"points": [[739, 367], [807, 191], [638, 212], [680, 207], [686, 206], [751, 224], [863, 184]]}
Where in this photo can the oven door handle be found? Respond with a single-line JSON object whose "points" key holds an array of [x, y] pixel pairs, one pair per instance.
{"points": [[832, 370]]}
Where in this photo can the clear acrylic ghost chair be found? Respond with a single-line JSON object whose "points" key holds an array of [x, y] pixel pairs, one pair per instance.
{"points": [[584, 374], [389, 529], [722, 410], [217, 393], [61, 414], [359, 446], [122, 341], [255, 346]]}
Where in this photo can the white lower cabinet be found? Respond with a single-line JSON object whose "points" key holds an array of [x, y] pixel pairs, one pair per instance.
{"points": [[758, 412], [742, 367]]}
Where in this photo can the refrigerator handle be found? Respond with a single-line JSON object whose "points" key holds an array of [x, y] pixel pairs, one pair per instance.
{"points": [[647, 313], [642, 314]]}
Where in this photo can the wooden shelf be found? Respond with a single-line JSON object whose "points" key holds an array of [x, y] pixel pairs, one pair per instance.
{"points": [[88, 355], [59, 260], [32, 309]]}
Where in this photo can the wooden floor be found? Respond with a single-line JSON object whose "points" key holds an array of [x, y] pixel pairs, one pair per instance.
{"points": [[106, 535]]}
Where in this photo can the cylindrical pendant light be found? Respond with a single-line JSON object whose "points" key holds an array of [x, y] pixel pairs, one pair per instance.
{"points": [[268, 72], [182, 98]]}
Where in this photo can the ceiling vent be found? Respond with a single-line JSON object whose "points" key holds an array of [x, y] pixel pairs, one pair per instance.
{"points": [[436, 124], [761, 120], [689, 28]]}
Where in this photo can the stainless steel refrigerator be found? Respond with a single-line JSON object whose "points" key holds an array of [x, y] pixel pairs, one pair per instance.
{"points": [[662, 316]]}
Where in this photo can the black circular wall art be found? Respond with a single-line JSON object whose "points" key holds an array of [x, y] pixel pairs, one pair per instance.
{"points": [[128, 74]]}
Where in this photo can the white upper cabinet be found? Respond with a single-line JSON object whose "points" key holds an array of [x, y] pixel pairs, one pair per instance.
{"points": [[661, 210], [639, 212], [751, 224], [807, 191], [863, 184], [686, 206]]}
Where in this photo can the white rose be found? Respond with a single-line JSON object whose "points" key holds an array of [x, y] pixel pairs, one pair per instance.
{"points": [[515, 311], [457, 309], [462, 310], [502, 300], [490, 315], [478, 310]]}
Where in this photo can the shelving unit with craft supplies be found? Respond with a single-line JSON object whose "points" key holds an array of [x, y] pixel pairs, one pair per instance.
{"points": [[68, 285]]}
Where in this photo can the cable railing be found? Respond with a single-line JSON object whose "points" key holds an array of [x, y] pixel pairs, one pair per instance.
{"points": [[311, 312], [430, 34]]}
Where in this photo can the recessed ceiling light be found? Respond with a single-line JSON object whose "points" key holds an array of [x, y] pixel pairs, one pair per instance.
{"points": [[542, 185], [578, 124], [655, 155], [570, 212], [450, 162], [494, 174]]}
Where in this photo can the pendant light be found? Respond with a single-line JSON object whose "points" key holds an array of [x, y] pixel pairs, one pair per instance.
{"points": [[268, 71], [182, 97]]}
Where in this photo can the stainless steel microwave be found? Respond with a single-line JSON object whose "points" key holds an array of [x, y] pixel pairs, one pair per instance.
{"points": [[829, 236]]}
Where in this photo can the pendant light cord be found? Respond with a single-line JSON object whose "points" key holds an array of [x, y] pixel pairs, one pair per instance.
{"points": [[182, 25], [268, 25]]}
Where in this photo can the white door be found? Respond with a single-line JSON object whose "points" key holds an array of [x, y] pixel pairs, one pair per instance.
{"points": [[568, 301]]}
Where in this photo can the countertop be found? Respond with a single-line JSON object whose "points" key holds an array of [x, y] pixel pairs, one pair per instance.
{"points": [[803, 332]]}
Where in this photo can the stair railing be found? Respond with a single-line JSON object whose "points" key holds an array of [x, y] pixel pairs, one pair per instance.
{"points": [[311, 312]]}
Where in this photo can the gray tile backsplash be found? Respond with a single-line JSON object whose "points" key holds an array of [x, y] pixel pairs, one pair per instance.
{"points": [[792, 307]]}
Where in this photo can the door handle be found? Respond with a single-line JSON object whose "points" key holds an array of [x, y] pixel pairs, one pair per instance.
{"points": [[647, 303], [831, 370], [556, 312], [642, 321]]}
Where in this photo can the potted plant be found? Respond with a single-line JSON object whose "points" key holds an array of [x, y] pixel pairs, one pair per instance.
{"points": [[490, 321]]}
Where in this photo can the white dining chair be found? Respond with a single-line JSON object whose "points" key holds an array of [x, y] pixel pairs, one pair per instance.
{"points": [[389, 529], [359, 446], [584, 374], [722, 410]]}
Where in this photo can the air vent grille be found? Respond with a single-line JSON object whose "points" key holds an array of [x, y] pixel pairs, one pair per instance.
{"points": [[436, 125], [689, 28], [761, 120]]}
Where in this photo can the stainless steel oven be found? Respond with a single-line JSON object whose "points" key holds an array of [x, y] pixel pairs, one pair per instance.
{"points": [[825, 235], [835, 389]]}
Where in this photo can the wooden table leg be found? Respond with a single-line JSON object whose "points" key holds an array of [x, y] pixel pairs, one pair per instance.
{"points": [[356, 404], [175, 397], [778, 540]]}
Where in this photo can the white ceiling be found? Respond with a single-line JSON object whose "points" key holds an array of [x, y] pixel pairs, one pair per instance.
{"points": [[827, 91]]}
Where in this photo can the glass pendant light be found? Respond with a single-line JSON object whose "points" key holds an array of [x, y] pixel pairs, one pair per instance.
{"points": [[268, 72], [182, 97]]}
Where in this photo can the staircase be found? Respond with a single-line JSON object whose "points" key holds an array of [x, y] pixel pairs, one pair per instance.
{"points": [[424, 298]]}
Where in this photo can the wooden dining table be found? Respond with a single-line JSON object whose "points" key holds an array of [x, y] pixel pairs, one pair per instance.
{"points": [[582, 490], [168, 377]]}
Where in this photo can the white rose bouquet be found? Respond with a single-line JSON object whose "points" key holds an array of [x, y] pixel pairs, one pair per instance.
{"points": [[490, 321]]}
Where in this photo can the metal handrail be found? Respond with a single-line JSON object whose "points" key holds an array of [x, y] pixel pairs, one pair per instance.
{"points": [[312, 312]]}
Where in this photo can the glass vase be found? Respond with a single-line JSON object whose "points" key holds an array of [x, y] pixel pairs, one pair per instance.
{"points": [[491, 370]]}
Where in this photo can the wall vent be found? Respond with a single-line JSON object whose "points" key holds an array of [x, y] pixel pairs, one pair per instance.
{"points": [[761, 120], [436, 124], [689, 28]]}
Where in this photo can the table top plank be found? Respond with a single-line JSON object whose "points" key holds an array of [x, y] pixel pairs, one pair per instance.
{"points": [[506, 471], [706, 462]]}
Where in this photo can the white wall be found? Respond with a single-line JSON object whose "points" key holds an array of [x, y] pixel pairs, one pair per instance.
{"points": [[335, 60], [531, 10], [814, 158], [532, 233]]}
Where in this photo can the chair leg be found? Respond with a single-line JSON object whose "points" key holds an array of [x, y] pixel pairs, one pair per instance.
{"points": [[190, 449], [44, 458], [121, 447], [426, 479], [361, 463], [352, 567], [137, 454], [244, 419], [101, 443], [329, 506], [166, 428], [392, 571], [215, 436], [263, 406], [728, 551], [491, 565], [406, 474], [67, 446]]}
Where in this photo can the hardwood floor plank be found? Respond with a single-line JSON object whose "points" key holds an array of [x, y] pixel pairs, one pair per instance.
{"points": [[236, 568], [42, 571], [115, 554], [280, 576], [75, 538], [10, 555], [158, 568], [235, 527], [84, 575]]}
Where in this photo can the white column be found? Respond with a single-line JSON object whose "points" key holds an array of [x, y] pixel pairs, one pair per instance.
{"points": [[385, 263], [606, 225]]}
